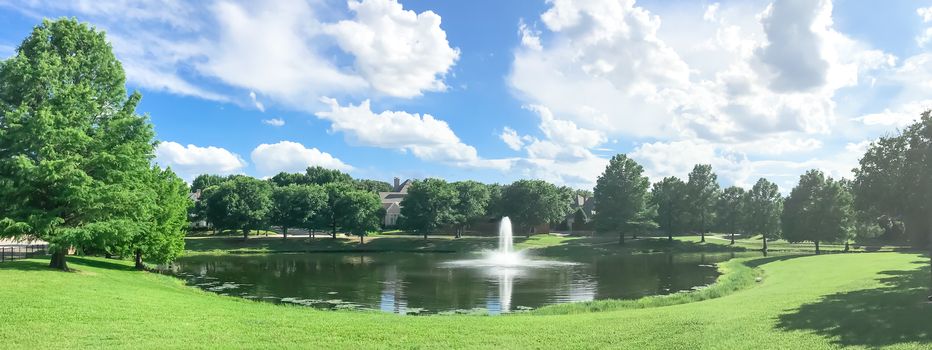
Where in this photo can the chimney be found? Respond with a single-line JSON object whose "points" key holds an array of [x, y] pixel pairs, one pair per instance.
{"points": [[397, 183]]}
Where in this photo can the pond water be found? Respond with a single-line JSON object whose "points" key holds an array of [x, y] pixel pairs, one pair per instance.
{"points": [[411, 283]]}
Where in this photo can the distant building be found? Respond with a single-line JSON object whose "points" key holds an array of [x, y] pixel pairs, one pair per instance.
{"points": [[196, 224], [391, 201], [586, 205]]}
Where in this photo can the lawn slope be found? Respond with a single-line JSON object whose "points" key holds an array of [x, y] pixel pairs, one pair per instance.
{"points": [[811, 302]]}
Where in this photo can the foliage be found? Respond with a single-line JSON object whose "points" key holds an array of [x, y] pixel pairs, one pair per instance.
{"points": [[320, 175], [295, 206], [471, 203], [73, 153], [731, 211], [162, 236], [428, 206], [373, 186], [702, 191], [242, 203], [669, 197], [533, 202], [764, 207], [331, 213], [893, 182], [621, 198], [358, 212], [496, 207], [817, 210]]}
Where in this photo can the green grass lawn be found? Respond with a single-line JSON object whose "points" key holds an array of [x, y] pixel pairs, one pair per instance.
{"points": [[808, 302]]}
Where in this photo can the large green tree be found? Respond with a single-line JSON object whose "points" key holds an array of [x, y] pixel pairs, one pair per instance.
{"points": [[472, 201], [73, 152], [669, 197], [730, 211], [295, 206], [429, 206], [817, 210], [622, 198], [374, 186], [764, 206], [162, 236], [321, 176], [329, 216], [242, 203], [702, 191], [529, 203], [359, 213]]}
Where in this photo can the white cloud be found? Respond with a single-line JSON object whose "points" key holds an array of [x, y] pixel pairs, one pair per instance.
{"points": [[711, 12], [423, 136], [511, 138], [274, 122], [256, 102], [292, 157], [529, 38], [281, 50], [190, 161], [899, 116], [400, 52], [925, 13]]}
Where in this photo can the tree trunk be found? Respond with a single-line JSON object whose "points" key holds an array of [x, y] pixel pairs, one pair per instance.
{"points": [[245, 234], [58, 260], [333, 231], [621, 238], [425, 235], [361, 239], [847, 246], [765, 244], [670, 236], [284, 232], [817, 247], [702, 234], [732, 237], [138, 259]]}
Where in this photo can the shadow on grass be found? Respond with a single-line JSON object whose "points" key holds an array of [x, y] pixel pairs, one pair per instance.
{"points": [[25, 265], [41, 263], [761, 261], [892, 314]]}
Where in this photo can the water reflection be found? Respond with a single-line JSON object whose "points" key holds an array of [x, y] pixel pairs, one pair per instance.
{"points": [[414, 283]]}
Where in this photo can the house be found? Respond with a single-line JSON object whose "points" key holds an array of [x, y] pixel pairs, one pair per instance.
{"points": [[586, 205], [391, 201], [195, 223]]}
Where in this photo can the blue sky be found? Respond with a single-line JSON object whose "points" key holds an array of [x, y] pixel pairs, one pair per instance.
{"points": [[502, 90]]}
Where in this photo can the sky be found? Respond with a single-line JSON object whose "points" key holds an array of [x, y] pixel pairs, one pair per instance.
{"points": [[497, 91]]}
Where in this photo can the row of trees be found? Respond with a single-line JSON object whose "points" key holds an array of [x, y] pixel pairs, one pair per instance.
{"points": [[434, 204], [318, 200], [75, 157], [890, 198]]}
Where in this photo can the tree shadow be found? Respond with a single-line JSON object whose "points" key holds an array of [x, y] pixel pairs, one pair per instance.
{"points": [[25, 265], [895, 313], [100, 263], [761, 261]]}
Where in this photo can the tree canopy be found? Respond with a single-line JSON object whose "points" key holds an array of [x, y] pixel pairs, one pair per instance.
{"points": [[669, 197], [428, 206], [702, 191], [817, 210], [295, 206], [764, 206], [242, 203], [621, 198], [529, 203], [74, 155]]}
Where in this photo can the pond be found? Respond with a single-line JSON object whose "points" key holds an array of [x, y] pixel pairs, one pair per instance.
{"points": [[411, 283]]}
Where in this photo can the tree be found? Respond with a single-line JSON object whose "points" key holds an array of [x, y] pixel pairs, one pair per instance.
{"points": [[295, 206], [817, 210], [669, 197], [162, 237], [472, 201], [242, 203], [203, 181], [428, 206], [73, 152], [333, 210], [321, 176], [730, 210], [373, 186], [621, 198], [702, 193], [764, 207], [359, 213], [533, 202], [283, 179], [496, 207]]}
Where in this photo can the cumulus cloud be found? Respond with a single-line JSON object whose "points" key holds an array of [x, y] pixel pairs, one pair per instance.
{"points": [[287, 156], [925, 13], [256, 102], [510, 137], [190, 161], [281, 50], [423, 136], [274, 122], [400, 52]]}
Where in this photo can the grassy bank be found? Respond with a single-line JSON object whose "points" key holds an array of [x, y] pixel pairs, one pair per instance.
{"points": [[756, 243], [811, 302]]}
